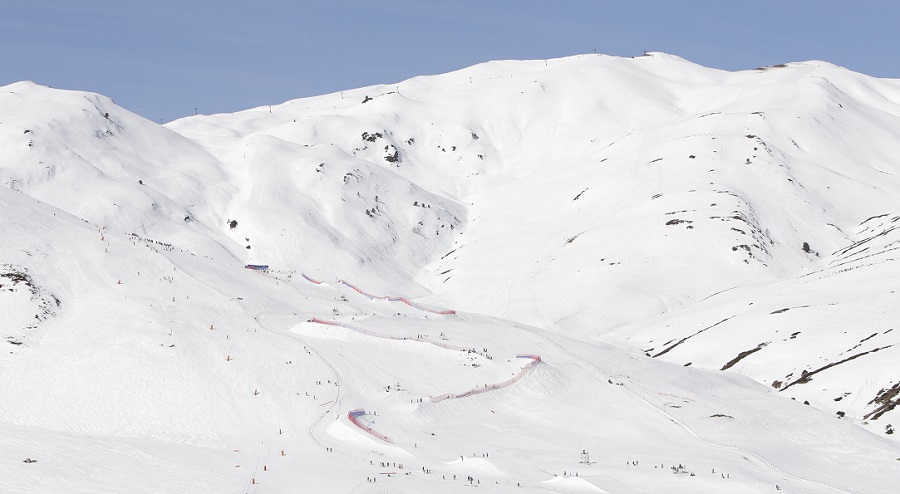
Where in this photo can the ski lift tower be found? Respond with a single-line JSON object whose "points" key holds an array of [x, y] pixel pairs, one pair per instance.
{"points": [[585, 457]]}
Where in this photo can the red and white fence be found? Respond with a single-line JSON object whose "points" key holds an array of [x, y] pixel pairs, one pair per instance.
{"points": [[364, 293], [354, 416], [310, 279], [434, 399], [490, 387]]}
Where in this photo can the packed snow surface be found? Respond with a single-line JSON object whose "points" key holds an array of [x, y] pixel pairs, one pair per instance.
{"points": [[582, 275]]}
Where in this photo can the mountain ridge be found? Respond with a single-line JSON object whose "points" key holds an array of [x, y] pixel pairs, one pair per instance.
{"points": [[632, 216]]}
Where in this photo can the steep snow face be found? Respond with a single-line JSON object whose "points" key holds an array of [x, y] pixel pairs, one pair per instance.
{"points": [[597, 192], [584, 192], [827, 338], [738, 221], [85, 155]]}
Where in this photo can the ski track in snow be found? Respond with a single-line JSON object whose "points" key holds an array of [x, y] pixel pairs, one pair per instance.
{"points": [[354, 415], [636, 223]]}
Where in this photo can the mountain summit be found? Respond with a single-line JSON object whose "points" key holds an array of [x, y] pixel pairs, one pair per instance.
{"points": [[588, 274]]}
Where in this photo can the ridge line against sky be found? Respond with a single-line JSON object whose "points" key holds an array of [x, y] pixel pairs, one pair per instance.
{"points": [[164, 59]]}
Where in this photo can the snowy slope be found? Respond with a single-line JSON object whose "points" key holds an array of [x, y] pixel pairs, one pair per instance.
{"points": [[601, 191], [825, 338], [615, 208], [85, 155], [640, 142]]}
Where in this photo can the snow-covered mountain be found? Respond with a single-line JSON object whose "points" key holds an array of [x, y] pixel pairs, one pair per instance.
{"points": [[703, 261]]}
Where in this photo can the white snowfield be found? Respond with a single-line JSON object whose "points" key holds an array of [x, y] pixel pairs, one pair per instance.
{"points": [[582, 275]]}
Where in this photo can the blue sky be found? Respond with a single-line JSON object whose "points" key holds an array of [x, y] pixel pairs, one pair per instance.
{"points": [[163, 58]]}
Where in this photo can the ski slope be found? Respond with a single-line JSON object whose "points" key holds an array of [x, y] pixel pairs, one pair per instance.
{"points": [[687, 274]]}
